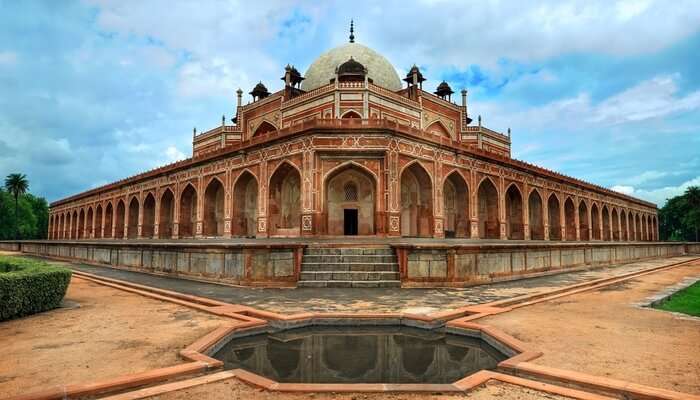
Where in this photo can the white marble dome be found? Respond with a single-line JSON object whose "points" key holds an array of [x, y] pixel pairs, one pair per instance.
{"points": [[379, 70]]}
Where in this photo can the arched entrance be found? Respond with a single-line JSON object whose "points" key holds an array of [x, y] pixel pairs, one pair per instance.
{"points": [[350, 201], [88, 223], [554, 216], [121, 216], [487, 200], [133, 224], [245, 206], [630, 227], [514, 214], [109, 220], [583, 228], [80, 228], [595, 222], [416, 202], [149, 216], [284, 206], [214, 197], [615, 226], [606, 223], [455, 195], [638, 236], [570, 219], [624, 235], [98, 222], [188, 212], [535, 215], [167, 214]]}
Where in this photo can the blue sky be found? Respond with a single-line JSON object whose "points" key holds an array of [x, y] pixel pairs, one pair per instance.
{"points": [[95, 91]]}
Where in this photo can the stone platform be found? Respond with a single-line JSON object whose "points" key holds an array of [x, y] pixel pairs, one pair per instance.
{"points": [[420, 262]]}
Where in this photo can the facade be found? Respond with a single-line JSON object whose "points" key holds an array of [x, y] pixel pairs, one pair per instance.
{"points": [[348, 149]]}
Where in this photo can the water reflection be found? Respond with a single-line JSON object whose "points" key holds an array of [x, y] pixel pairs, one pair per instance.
{"points": [[360, 355]]}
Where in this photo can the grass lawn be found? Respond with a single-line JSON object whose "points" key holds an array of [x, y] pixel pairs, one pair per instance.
{"points": [[686, 301]]}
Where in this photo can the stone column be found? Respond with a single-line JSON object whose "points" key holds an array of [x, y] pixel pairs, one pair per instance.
{"points": [[393, 187], [176, 213], [577, 217], [562, 217], [92, 225], [102, 221], [262, 228], [139, 228], [199, 212], [309, 224], [502, 209]]}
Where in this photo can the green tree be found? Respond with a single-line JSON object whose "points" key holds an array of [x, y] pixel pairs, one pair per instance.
{"points": [[16, 184], [679, 218], [692, 217]]}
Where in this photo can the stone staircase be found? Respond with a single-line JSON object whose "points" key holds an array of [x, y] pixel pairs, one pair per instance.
{"points": [[351, 267]]}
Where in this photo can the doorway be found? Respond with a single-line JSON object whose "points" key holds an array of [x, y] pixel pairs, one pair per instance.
{"points": [[350, 221]]}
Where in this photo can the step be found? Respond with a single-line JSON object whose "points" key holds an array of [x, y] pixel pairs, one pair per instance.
{"points": [[338, 258], [348, 276], [349, 284], [366, 267], [378, 251]]}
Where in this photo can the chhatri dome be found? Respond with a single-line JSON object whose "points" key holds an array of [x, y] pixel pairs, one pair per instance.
{"points": [[379, 69]]}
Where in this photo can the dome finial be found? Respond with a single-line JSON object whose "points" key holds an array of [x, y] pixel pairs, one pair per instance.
{"points": [[352, 31]]}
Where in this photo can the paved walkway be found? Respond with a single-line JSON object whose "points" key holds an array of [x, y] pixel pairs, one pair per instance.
{"points": [[369, 300]]}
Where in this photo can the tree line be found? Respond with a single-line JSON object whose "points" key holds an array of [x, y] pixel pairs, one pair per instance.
{"points": [[679, 218], [22, 215]]}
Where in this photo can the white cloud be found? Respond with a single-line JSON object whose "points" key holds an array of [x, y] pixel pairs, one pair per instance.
{"points": [[172, 154], [658, 195]]}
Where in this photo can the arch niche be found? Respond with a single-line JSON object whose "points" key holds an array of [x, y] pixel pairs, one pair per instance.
{"points": [[595, 222], [630, 226], [623, 223], [88, 222], [121, 216], [149, 216], [455, 195], [109, 220], [437, 128], [514, 213], [214, 199], [416, 202], [351, 115], [245, 206], [535, 214], [80, 228], [583, 228], [188, 212], [98, 222], [570, 219], [133, 224], [264, 128], [350, 201], [284, 205], [554, 215], [638, 235], [606, 223], [167, 214], [487, 200], [615, 225]]}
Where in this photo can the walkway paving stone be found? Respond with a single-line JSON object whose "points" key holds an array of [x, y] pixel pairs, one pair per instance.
{"points": [[410, 300]]}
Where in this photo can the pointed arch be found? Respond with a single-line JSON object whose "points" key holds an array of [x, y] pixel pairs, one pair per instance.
{"points": [[351, 114], [166, 215], [149, 216], [631, 227], [350, 200], [80, 231], [284, 202], [606, 222], [514, 213], [438, 128], [264, 128], [98, 221], [120, 218], [595, 222], [416, 201], [487, 201], [109, 220], [455, 195], [133, 218], [214, 201], [535, 215], [554, 217], [583, 224], [569, 219], [615, 221], [623, 225], [89, 222], [244, 222], [638, 224], [188, 211]]}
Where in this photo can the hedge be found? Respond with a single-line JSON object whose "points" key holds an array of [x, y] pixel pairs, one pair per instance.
{"points": [[30, 286]]}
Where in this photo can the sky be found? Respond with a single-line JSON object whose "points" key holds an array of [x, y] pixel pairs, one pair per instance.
{"points": [[98, 90]]}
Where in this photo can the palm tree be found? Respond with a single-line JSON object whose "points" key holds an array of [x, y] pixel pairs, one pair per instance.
{"points": [[17, 184]]}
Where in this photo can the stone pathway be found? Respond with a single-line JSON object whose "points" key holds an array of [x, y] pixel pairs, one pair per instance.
{"points": [[420, 301]]}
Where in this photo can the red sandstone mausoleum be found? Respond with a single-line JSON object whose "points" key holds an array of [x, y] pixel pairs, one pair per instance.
{"points": [[349, 148]]}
